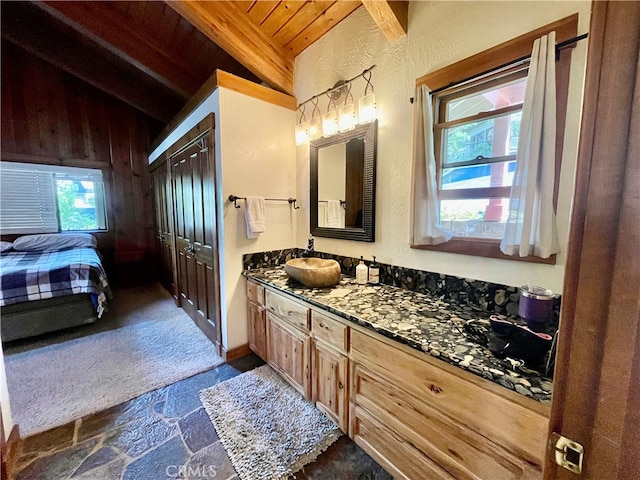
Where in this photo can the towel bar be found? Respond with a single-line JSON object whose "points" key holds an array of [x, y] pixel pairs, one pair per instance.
{"points": [[235, 198]]}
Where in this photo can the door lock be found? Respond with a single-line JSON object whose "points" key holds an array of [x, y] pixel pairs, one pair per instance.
{"points": [[568, 454]]}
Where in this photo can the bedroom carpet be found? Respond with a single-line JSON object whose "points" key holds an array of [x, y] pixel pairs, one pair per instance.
{"points": [[268, 429], [62, 381]]}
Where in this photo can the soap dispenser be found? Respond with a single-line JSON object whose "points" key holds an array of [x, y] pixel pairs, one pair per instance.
{"points": [[374, 272], [362, 273]]}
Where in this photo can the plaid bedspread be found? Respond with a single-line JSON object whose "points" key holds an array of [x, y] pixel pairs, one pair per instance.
{"points": [[28, 276]]}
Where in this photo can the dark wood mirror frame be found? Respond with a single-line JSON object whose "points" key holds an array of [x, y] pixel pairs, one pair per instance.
{"points": [[366, 233]]}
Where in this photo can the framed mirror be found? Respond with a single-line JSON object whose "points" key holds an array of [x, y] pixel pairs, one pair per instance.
{"points": [[343, 184]]}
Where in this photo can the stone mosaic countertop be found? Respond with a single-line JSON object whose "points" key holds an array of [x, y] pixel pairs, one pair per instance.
{"points": [[418, 320]]}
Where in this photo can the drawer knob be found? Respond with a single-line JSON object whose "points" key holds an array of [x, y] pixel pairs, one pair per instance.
{"points": [[435, 389]]}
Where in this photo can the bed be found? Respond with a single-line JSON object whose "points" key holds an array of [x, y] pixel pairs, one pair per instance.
{"points": [[50, 286]]}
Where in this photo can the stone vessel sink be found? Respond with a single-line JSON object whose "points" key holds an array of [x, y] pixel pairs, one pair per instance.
{"points": [[314, 272]]}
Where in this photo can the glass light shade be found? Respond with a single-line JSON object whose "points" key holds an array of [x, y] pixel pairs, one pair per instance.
{"points": [[347, 117], [302, 133], [315, 128], [330, 123], [367, 109]]}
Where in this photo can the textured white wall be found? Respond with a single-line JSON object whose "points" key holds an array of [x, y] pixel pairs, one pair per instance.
{"points": [[257, 158], [440, 33]]}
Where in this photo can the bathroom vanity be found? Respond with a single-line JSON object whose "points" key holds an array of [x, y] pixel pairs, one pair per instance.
{"points": [[387, 367]]}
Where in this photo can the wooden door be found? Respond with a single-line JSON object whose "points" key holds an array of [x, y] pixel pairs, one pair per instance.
{"points": [[596, 392], [193, 189], [257, 330], [289, 352], [161, 192], [329, 374]]}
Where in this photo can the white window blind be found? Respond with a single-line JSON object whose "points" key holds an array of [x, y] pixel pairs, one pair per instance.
{"points": [[27, 201], [37, 198]]}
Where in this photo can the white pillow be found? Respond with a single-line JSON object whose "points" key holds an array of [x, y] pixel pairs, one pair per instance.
{"points": [[54, 241], [5, 246]]}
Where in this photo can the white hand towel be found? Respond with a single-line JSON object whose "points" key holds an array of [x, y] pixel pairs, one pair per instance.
{"points": [[254, 216], [334, 215]]}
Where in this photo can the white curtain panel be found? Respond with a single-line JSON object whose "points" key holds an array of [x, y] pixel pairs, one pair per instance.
{"points": [[425, 222], [531, 225]]}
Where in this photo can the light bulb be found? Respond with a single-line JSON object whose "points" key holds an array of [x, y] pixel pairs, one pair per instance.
{"points": [[315, 128], [347, 117], [302, 133], [367, 109], [330, 123]]}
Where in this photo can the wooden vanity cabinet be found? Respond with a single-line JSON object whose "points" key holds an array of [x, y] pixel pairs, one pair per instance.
{"points": [[330, 368], [312, 359], [288, 341], [257, 319], [417, 416], [448, 422], [289, 353]]}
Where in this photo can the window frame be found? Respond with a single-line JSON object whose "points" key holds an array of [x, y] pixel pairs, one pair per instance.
{"points": [[440, 103], [53, 173], [457, 74]]}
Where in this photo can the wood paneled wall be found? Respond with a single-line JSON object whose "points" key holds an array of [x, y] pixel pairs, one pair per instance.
{"points": [[49, 116]]}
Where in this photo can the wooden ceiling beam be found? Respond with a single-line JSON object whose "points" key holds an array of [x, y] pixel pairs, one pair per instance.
{"points": [[113, 30], [28, 28], [228, 25], [392, 17]]}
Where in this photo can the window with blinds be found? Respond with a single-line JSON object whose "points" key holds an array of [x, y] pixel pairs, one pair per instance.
{"points": [[49, 199]]}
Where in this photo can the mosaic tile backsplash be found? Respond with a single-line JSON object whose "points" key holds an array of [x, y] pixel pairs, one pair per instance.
{"points": [[479, 295]]}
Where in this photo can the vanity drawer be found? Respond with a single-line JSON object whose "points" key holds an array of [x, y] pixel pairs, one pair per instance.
{"points": [[460, 451], [329, 331], [255, 292], [470, 400], [395, 454], [293, 312]]}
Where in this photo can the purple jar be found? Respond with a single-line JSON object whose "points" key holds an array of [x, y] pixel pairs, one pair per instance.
{"points": [[535, 306]]}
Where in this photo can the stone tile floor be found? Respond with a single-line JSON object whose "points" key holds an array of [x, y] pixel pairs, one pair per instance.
{"points": [[165, 434]]}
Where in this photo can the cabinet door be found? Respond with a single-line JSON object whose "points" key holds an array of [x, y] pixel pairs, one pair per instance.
{"points": [[394, 453], [329, 375], [161, 190], [257, 329], [453, 446], [193, 187], [289, 352]]}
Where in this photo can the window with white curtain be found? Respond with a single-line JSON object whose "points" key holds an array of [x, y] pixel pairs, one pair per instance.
{"points": [[465, 145], [49, 198], [476, 130]]}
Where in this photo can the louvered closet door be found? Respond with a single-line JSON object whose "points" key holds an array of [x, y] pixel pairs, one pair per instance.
{"points": [[193, 180]]}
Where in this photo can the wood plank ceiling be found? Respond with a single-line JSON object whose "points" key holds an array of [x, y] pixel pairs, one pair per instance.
{"points": [[156, 55], [266, 35]]}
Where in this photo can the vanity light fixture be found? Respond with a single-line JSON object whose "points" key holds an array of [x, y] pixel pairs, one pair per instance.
{"points": [[347, 113], [330, 119], [302, 129], [337, 120], [367, 104], [315, 124]]}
